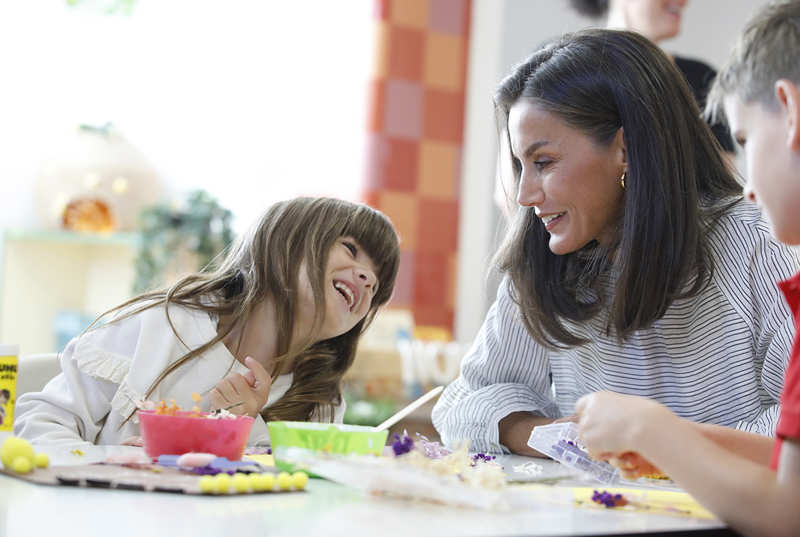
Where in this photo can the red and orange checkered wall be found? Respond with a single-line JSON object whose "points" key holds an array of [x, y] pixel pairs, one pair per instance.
{"points": [[416, 127]]}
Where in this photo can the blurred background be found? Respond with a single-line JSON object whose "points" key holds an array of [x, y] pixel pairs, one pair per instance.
{"points": [[139, 137]]}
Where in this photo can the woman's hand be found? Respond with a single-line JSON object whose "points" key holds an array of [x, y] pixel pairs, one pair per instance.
{"points": [[612, 424], [250, 390]]}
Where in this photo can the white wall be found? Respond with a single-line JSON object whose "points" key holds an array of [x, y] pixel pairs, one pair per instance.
{"points": [[251, 100], [504, 32]]}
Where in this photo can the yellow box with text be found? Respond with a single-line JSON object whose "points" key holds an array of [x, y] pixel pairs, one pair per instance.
{"points": [[9, 358]]}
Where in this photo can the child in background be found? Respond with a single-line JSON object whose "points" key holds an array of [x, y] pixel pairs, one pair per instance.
{"points": [[273, 329], [660, 21], [751, 482]]}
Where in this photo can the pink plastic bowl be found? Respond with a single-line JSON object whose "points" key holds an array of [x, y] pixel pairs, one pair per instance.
{"points": [[174, 435]]}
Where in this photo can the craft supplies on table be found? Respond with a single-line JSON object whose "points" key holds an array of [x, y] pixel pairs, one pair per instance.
{"points": [[323, 437], [560, 441], [184, 432]]}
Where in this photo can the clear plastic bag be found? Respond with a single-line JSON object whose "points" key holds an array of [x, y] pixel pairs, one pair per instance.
{"points": [[395, 476]]}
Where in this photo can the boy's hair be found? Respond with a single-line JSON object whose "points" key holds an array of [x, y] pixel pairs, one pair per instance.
{"points": [[677, 184], [766, 51], [5, 393], [265, 263]]}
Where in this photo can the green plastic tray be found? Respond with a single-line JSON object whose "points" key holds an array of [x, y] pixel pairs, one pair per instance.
{"points": [[328, 437]]}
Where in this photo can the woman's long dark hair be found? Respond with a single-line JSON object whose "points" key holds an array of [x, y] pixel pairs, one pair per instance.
{"points": [[677, 185], [265, 263]]}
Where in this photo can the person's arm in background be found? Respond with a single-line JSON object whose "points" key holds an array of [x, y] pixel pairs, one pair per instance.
{"points": [[503, 389]]}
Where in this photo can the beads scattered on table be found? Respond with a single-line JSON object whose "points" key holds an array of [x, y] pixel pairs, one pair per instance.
{"points": [[41, 460], [608, 499], [284, 481], [241, 483], [21, 465], [15, 447], [482, 457], [17, 454], [299, 480]]}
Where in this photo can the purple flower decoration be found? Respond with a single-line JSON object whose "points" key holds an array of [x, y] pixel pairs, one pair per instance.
{"points": [[609, 500], [482, 457], [402, 444]]}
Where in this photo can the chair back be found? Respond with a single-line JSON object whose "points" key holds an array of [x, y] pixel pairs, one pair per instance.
{"points": [[36, 370]]}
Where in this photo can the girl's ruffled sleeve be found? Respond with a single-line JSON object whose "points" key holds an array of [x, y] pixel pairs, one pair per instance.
{"points": [[73, 407], [70, 409]]}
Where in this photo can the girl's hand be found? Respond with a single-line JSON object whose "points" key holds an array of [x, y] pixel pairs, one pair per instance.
{"points": [[250, 389], [611, 424]]}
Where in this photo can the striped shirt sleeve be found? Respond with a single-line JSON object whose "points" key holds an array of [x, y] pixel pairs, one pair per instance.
{"points": [[505, 371]]}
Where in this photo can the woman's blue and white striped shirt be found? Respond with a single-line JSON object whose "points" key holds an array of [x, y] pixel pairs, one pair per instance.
{"points": [[718, 357]]}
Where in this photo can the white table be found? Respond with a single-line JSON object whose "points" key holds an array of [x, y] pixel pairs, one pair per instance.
{"points": [[325, 509]]}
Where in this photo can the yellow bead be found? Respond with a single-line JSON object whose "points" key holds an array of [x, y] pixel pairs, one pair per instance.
{"points": [[223, 483], [21, 465], [41, 460], [254, 480], [261, 482], [284, 481], [208, 485], [15, 447], [240, 482], [267, 481], [299, 480]]}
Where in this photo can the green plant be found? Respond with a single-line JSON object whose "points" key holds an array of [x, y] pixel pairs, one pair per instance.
{"points": [[106, 7], [202, 229]]}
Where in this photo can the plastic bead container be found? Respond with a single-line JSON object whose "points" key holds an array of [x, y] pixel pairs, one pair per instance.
{"points": [[560, 442]]}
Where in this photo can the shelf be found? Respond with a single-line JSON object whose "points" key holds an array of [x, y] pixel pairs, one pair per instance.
{"points": [[74, 237], [45, 274]]}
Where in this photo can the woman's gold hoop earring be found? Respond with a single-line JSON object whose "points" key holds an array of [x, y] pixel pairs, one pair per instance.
{"points": [[622, 180]]}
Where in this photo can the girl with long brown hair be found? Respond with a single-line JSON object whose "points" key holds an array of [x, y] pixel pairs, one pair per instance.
{"points": [[273, 329]]}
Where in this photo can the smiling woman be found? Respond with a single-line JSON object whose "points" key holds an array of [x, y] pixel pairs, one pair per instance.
{"points": [[631, 265], [269, 333], [571, 181]]}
